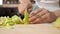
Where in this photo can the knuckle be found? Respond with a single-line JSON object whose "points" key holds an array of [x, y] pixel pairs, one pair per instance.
{"points": [[46, 10], [48, 14], [33, 18]]}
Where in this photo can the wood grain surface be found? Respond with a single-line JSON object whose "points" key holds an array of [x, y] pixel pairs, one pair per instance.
{"points": [[31, 29]]}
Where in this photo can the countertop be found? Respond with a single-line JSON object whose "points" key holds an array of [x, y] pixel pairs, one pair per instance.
{"points": [[31, 29]]}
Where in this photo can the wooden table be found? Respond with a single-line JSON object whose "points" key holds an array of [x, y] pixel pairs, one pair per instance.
{"points": [[31, 29]]}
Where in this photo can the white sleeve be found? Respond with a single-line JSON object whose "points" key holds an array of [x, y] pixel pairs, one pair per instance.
{"points": [[35, 7]]}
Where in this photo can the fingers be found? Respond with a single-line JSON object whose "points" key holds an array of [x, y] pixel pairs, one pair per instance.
{"points": [[31, 15], [44, 11], [40, 16], [22, 7], [30, 9], [32, 18], [40, 20], [35, 21], [45, 17]]}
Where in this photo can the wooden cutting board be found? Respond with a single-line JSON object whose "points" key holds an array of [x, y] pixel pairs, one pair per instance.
{"points": [[31, 29]]}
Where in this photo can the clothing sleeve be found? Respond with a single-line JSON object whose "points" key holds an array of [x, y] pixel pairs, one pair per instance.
{"points": [[35, 7]]}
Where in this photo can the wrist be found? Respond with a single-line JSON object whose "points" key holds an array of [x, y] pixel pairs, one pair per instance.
{"points": [[57, 13], [52, 17]]}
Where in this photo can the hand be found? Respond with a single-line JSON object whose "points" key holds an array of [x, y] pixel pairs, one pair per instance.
{"points": [[57, 13], [41, 16], [24, 4]]}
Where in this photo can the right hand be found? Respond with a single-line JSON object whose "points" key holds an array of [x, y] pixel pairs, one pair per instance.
{"points": [[23, 6]]}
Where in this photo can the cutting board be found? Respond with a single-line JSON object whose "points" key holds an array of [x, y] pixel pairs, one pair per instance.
{"points": [[31, 29]]}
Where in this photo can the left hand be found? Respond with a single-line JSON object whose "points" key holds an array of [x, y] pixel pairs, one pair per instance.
{"points": [[41, 16]]}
